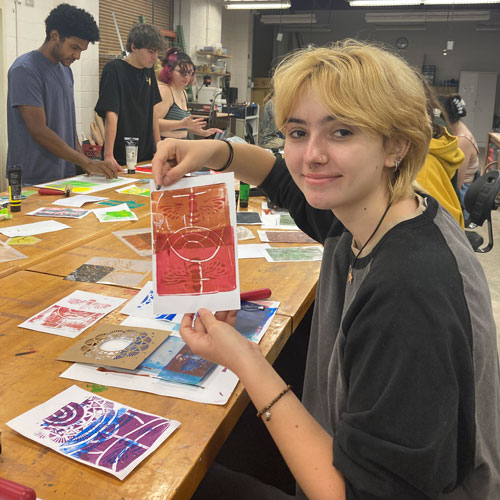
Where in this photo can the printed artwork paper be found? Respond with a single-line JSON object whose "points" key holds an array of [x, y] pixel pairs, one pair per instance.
{"points": [[117, 213], [141, 306], [194, 245], [217, 386], [112, 271], [293, 254], [71, 213], [131, 203], [95, 431], [73, 314], [139, 240], [285, 237], [23, 241], [278, 221], [133, 189], [87, 184]]}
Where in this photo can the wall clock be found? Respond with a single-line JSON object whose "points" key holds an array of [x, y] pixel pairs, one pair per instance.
{"points": [[402, 43]]}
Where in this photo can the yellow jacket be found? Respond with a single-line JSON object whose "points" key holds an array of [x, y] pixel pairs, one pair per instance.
{"points": [[435, 176]]}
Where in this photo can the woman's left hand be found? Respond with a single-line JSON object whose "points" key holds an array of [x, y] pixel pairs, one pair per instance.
{"points": [[215, 338]]}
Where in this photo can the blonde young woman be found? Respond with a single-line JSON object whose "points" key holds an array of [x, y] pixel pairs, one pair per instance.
{"points": [[401, 393], [175, 119]]}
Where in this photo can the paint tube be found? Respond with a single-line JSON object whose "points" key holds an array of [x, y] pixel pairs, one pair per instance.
{"points": [[14, 173], [244, 194], [131, 146]]}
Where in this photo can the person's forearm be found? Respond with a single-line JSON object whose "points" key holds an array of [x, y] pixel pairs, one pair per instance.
{"points": [[110, 127], [462, 170], [169, 126], [306, 447], [250, 164], [48, 139], [156, 128]]}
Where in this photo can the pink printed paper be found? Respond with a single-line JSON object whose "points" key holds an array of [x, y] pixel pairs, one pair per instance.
{"points": [[73, 314], [194, 246]]}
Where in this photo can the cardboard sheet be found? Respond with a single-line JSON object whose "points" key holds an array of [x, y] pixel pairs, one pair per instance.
{"points": [[114, 345]]}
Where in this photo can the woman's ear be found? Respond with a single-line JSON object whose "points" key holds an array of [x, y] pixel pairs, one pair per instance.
{"points": [[397, 150]]}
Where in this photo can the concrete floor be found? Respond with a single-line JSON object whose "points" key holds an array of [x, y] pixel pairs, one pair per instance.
{"points": [[491, 265]]}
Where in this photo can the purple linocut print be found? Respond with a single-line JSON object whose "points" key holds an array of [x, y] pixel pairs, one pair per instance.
{"points": [[100, 432]]}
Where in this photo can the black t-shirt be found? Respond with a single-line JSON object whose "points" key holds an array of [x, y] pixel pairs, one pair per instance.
{"points": [[402, 364], [131, 93]]}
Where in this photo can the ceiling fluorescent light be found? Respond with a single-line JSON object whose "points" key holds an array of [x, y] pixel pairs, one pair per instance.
{"points": [[425, 17], [399, 27], [458, 2], [487, 27], [289, 19], [261, 4], [401, 3]]}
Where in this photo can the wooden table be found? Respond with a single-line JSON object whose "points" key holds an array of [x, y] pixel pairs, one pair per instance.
{"points": [[173, 471], [81, 230], [295, 295]]}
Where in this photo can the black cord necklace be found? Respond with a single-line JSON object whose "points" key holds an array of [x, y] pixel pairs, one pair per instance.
{"points": [[351, 265]]}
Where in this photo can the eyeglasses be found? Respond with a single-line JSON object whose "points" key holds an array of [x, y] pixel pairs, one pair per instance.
{"points": [[184, 73]]}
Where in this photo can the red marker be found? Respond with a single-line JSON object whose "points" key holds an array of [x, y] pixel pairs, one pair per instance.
{"points": [[261, 293], [15, 491]]}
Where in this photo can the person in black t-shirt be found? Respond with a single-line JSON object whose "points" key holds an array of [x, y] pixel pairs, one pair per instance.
{"points": [[401, 396], [128, 92]]}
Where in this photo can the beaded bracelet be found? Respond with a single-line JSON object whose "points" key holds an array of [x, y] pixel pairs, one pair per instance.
{"points": [[266, 410], [229, 160]]}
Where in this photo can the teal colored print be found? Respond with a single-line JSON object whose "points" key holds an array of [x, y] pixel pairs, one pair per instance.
{"points": [[131, 204]]}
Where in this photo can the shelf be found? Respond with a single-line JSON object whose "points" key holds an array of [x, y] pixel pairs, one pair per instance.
{"points": [[221, 56], [211, 73]]}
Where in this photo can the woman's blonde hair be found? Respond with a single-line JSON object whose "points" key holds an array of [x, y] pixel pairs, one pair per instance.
{"points": [[366, 86]]}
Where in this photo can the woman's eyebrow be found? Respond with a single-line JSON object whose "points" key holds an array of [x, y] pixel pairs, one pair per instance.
{"points": [[296, 120], [324, 120]]}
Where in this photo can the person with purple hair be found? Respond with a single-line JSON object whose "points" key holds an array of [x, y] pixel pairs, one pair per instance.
{"points": [[177, 73]]}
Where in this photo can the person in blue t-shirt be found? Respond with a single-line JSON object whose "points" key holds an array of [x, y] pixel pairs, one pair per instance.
{"points": [[41, 117]]}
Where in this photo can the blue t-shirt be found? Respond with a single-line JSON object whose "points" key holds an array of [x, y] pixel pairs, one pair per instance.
{"points": [[35, 81]]}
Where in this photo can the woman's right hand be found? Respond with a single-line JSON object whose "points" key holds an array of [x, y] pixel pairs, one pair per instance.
{"points": [[175, 158]]}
